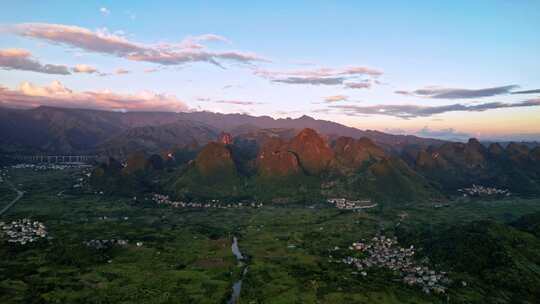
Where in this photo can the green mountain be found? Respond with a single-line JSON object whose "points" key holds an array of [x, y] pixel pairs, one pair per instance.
{"points": [[457, 165], [212, 175], [497, 263], [304, 168]]}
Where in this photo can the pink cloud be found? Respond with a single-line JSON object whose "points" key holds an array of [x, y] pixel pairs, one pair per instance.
{"points": [[150, 70], [121, 71], [229, 101], [211, 37], [19, 59], [99, 41], [83, 68], [28, 95], [102, 41], [336, 98]]}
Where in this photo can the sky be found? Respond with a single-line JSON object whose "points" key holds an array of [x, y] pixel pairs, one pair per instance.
{"points": [[444, 69]]}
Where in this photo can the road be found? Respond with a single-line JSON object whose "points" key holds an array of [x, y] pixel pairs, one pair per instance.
{"points": [[14, 201]]}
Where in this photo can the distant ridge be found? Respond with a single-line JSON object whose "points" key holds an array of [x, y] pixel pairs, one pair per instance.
{"points": [[52, 129]]}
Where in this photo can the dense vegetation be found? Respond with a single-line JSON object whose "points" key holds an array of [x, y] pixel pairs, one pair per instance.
{"points": [[185, 257]]}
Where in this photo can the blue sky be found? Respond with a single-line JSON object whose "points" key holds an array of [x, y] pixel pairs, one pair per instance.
{"points": [[452, 63]]}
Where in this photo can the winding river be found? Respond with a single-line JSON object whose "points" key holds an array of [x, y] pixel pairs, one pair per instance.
{"points": [[237, 286]]}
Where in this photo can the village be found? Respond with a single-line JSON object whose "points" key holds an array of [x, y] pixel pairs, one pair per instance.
{"points": [[343, 203], [161, 199], [384, 252], [476, 190], [23, 231], [81, 181], [106, 244]]}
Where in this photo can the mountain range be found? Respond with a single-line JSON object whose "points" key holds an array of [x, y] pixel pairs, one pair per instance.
{"points": [[232, 155], [59, 130], [283, 166]]}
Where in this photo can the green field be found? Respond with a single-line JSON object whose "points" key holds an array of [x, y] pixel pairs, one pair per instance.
{"points": [[186, 256]]}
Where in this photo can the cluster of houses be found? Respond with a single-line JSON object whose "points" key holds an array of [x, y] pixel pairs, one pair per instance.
{"points": [[102, 244], [105, 218], [23, 231], [165, 200], [83, 179], [46, 167], [384, 252], [343, 203], [105, 244], [476, 190]]}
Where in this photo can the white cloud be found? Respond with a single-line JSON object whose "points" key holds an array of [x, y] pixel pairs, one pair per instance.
{"points": [[104, 11]]}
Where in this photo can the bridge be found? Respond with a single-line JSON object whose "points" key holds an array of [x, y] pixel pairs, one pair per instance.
{"points": [[54, 158]]}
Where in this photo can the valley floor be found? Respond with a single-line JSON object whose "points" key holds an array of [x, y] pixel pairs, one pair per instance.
{"points": [[184, 255]]}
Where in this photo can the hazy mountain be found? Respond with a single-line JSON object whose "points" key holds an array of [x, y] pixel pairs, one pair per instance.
{"points": [[59, 130], [52, 130], [154, 139]]}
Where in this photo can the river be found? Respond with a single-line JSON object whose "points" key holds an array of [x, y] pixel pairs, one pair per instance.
{"points": [[237, 286]]}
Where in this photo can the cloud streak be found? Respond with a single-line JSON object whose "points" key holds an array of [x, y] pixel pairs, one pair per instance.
{"points": [[229, 101], [358, 85], [238, 102], [336, 98], [104, 42], [194, 42], [312, 80], [536, 91], [19, 59], [412, 111], [28, 95], [456, 93], [321, 76]]}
